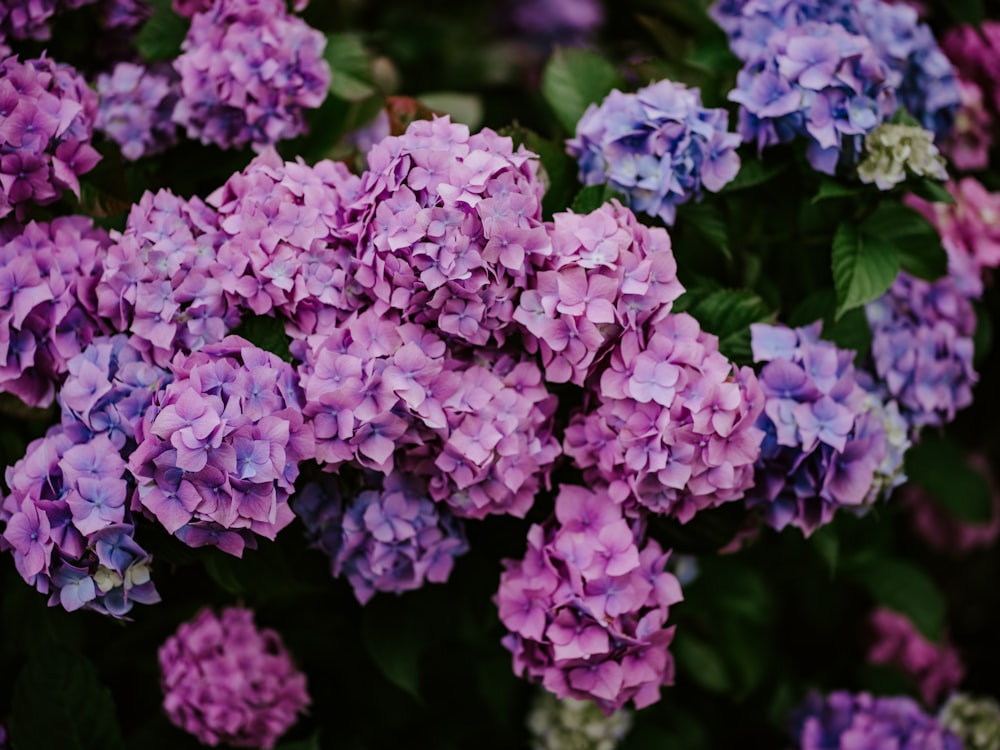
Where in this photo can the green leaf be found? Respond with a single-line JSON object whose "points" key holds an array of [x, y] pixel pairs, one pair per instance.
{"points": [[939, 466], [830, 188], [350, 67], [754, 172], [931, 190], [59, 702], [701, 663], [827, 546], [574, 79], [593, 197], [850, 331], [864, 267], [707, 220], [387, 632], [267, 333], [464, 108], [728, 314], [161, 36], [915, 239], [905, 588], [966, 11], [224, 570]]}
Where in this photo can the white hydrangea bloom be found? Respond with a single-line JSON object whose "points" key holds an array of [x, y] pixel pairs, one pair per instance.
{"points": [[571, 724], [976, 721], [895, 149], [889, 473]]}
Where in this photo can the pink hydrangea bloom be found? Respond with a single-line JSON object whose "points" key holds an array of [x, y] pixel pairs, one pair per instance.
{"points": [[975, 53], [226, 681], [136, 108], [968, 145], [936, 668], [587, 605]]}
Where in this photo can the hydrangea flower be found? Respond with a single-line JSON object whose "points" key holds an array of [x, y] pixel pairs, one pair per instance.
{"points": [[68, 521], [285, 243], [47, 275], [571, 724], [450, 228], [136, 107], [387, 395], [47, 115], [974, 52], [974, 719], [936, 668], [225, 680], [249, 71], [586, 607], [569, 23], [894, 152], [969, 143], [823, 446], [607, 274], [388, 538], [818, 82], [29, 19], [672, 424], [845, 721], [660, 147], [162, 279], [890, 473], [219, 450], [922, 348]]}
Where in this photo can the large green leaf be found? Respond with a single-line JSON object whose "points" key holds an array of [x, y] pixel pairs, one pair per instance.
{"points": [[753, 172], [59, 702], [267, 333], [574, 79], [161, 36], [728, 314], [864, 267], [915, 239], [394, 643], [701, 663], [350, 67], [905, 588], [939, 466]]}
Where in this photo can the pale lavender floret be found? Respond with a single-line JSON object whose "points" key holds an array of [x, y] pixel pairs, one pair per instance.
{"points": [[817, 82], [136, 106], [29, 19], [587, 605], [391, 538], [249, 71], [846, 721], [922, 348], [564, 22], [823, 442], [68, 522], [219, 449], [47, 115], [672, 425], [47, 315], [225, 680], [659, 147], [450, 228], [162, 279], [607, 274]]}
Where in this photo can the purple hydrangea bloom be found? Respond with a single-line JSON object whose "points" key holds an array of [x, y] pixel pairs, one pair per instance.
{"points": [[672, 424], [389, 538], [124, 14], [607, 274], [659, 147], [450, 227], [817, 82], [845, 721], [975, 51], [162, 279], [136, 107], [564, 22], [823, 445], [285, 243], [922, 348], [219, 450], [386, 395], [47, 115], [226, 681], [47, 313], [587, 605], [68, 522], [249, 70], [29, 19]]}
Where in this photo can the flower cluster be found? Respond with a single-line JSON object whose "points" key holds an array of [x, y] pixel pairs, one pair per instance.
{"points": [[974, 52], [844, 721], [570, 23], [136, 107], [815, 81], [823, 445], [285, 242], [450, 228], [47, 115], [922, 348], [673, 426], [975, 720], [69, 524], [392, 538], [607, 274], [936, 668], [162, 278], [385, 395], [249, 70], [968, 145], [890, 473], [659, 147], [226, 681], [894, 152], [586, 607], [571, 724], [218, 452], [969, 229], [29, 19], [47, 277]]}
